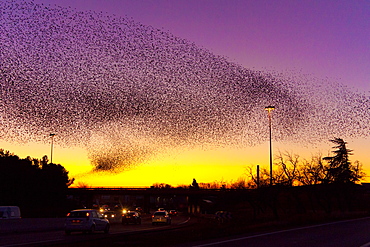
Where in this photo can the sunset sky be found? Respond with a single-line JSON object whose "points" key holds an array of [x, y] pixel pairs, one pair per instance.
{"points": [[323, 38], [327, 41]]}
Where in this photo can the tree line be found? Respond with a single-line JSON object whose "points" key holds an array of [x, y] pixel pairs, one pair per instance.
{"points": [[38, 187], [292, 170]]}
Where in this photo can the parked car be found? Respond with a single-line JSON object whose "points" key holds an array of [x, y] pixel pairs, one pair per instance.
{"points": [[85, 220], [161, 217], [131, 217], [10, 212]]}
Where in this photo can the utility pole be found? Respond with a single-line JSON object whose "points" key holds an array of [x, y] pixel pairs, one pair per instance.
{"points": [[52, 145], [258, 176], [269, 110]]}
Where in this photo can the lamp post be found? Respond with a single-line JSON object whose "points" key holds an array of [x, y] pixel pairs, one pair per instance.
{"points": [[52, 145], [269, 110]]}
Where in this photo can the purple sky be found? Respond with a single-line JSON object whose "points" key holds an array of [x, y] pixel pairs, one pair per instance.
{"points": [[321, 38], [131, 120]]}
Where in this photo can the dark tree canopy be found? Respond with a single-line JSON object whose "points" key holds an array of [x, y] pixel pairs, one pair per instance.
{"points": [[36, 186], [194, 184], [339, 168]]}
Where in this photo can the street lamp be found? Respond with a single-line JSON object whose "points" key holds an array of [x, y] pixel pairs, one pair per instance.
{"points": [[52, 144], [269, 110]]}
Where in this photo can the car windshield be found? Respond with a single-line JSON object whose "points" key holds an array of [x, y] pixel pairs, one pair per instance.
{"points": [[159, 213], [78, 214]]}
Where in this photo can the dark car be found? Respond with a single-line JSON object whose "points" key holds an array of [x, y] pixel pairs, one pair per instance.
{"points": [[131, 217], [173, 212], [112, 216], [139, 210]]}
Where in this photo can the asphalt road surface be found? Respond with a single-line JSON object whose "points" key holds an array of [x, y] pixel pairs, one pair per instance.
{"points": [[48, 236], [347, 233]]}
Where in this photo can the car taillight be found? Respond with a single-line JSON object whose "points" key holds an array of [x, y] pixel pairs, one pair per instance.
{"points": [[68, 214]]}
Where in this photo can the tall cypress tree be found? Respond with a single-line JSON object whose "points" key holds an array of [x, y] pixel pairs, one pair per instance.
{"points": [[339, 167]]}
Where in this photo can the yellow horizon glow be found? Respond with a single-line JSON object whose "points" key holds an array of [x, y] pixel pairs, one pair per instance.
{"points": [[206, 166]]}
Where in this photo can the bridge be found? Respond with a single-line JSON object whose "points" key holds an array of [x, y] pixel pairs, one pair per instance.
{"points": [[190, 200]]}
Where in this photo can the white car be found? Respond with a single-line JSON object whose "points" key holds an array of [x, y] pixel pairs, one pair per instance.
{"points": [[85, 220], [161, 217]]}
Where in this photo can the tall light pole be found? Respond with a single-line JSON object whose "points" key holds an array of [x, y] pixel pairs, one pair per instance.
{"points": [[269, 110], [52, 145]]}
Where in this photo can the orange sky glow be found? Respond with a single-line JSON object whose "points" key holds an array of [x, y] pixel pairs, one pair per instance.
{"points": [[179, 168]]}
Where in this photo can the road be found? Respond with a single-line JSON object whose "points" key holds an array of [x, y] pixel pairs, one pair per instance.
{"points": [[348, 233], [50, 237]]}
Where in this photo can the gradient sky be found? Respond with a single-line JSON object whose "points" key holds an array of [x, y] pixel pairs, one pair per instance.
{"points": [[325, 39], [322, 38]]}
